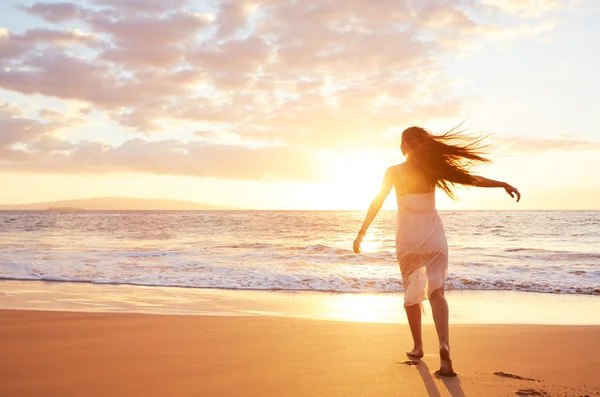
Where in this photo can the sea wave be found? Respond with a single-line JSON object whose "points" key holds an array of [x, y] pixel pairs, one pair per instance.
{"points": [[331, 284], [296, 251]]}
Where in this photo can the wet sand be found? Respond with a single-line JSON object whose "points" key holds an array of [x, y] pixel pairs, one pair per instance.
{"points": [[466, 307]]}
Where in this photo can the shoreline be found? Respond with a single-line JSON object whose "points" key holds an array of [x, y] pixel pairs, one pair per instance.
{"points": [[466, 306], [301, 210], [595, 292]]}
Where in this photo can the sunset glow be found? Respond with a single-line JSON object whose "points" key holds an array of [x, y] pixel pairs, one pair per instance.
{"points": [[275, 104]]}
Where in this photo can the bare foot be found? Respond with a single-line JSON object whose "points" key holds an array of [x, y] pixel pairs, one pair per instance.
{"points": [[445, 363], [416, 352]]}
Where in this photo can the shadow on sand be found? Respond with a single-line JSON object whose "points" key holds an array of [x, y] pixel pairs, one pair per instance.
{"points": [[451, 383]]}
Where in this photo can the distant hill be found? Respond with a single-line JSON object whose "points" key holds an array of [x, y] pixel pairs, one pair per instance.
{"points": [[117, 203]]}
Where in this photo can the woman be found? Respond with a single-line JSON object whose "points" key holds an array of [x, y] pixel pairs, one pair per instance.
{"points": [[421, 248]]}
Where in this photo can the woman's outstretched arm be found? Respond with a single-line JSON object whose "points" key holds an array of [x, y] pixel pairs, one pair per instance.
{"points": [[374, 208], [480, 181]]}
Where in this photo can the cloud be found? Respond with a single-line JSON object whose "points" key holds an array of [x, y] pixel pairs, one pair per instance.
{"points": [[16, 129], [231, 18], [33, 134], [148, 56], [49, 154], [8, 48], [446, 17], [39, 150], [148, 41], [140, 119], [13, 46], [524, 8], [531, 145], [144, 6], [55, 12], [9, 109], [248, 55], [45, 144], [147, 30], [304, 77], [51, 114], [61, 37], [55, 74]]}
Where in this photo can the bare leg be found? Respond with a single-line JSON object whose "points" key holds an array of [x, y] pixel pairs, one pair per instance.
{"points": [[439, 308], [413, 313]]}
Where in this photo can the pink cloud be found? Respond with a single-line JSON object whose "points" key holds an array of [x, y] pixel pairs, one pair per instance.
{"points": [[144, 56], [351, 44], [442, 16], [319, 75], [9, 49], [55, 12], [231, 18], [55, 74], [13, 46], [47, 154], [46, 143], [205, 110], [140, 119], [138, 40], [12, 157], [146, 30], [249, 55], [61, 37], [149, 6], [8, 109], [148, 41], [51, 114], [16, 129]]}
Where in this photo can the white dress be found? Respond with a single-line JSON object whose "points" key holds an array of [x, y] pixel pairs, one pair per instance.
{"points": [[421, 246]]}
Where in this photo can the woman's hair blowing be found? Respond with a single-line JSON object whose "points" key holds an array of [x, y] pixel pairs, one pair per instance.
{"points": [[447, 159]]}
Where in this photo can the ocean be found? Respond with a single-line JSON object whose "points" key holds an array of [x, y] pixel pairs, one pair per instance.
{"points": [[539, 251]]}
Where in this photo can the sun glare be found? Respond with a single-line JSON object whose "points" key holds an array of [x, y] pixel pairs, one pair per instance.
{"points": [[365, 308], [355, 179]]}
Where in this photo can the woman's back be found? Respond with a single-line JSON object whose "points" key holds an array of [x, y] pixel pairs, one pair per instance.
{"points": [[411, 180]]}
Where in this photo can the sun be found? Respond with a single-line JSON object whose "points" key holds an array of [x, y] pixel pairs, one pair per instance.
{"points": [[355, 179]]}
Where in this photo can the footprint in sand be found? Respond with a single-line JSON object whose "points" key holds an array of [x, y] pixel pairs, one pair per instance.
{"points": [[529, 392], [409, 362], [506, 375]]}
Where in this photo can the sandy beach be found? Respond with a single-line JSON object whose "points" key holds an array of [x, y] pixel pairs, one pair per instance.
{"points": [[48, 353]]}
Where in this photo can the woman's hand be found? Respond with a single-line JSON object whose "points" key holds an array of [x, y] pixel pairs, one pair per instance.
{"points": [[512, 191], [357, 242], [486, 182]]}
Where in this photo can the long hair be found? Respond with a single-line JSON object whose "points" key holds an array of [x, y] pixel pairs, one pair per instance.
{"points": [[447, 159]]}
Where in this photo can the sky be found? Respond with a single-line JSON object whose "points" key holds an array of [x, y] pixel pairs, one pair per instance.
{"points": [[283, 104]]}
